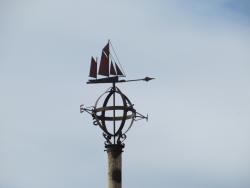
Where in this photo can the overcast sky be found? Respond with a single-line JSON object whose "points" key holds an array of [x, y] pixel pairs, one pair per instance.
{"points": [[198, 133]]}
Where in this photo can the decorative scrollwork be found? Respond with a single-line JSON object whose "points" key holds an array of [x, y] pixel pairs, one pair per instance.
{"points": [[95, 123], [107, 137], [81, 108], [121, 139]]}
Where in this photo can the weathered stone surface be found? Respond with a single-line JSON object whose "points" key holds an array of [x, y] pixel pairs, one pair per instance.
{"points": [[114, 167]]}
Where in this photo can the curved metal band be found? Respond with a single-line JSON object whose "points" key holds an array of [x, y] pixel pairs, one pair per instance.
{"points": [[128, 108], [103, 125], [118, 118], [103, 112], [134, 112], [119, 131]]}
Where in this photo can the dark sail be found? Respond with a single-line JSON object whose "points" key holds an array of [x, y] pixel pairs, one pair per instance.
{"points": [[93, 68], [118, 70], [112, 69], [104, 64]]}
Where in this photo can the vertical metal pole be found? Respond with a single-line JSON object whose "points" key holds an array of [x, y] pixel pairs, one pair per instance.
{"points": [[114, 166], [114, 110]]}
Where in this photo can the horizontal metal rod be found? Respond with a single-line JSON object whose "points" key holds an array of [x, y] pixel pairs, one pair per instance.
{"points": [[116, 80], [141, 79]]}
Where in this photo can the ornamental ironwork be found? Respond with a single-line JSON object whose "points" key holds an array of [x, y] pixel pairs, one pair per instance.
{"points": [[113, 112]]}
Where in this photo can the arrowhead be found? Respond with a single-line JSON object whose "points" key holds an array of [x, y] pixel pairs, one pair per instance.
{"points": [[148, 79]]}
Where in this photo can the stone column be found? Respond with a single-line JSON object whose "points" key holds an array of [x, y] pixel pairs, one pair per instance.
{"points": [[114, 166]]}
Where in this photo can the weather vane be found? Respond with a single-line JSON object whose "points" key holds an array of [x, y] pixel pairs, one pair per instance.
{"points": [[113, 112]]}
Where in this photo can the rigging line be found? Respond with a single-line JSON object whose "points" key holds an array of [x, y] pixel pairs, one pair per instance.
{"points": [[117, 58], [114, 61], [112, 57]]}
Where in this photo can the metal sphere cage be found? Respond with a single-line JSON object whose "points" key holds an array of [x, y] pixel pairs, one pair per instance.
{"points": [[114, 113], [112, 117]]}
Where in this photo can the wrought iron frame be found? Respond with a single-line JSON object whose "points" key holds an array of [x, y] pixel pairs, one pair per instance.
{"points": [[118, 136]]}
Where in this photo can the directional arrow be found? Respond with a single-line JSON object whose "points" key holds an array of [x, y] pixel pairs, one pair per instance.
{"points": [[141, 79]]}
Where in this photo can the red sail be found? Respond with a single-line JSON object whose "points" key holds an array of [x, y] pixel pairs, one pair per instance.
{"points": [[104, 64], [119, 72], [93, 68], [112, 69]]}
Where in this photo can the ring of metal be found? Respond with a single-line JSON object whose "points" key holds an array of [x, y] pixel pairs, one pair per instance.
{"points": [[127, 106]]}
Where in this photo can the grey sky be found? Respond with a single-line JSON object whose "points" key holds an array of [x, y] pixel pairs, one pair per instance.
{"points": [[198, 133]]}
